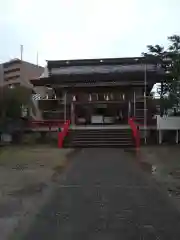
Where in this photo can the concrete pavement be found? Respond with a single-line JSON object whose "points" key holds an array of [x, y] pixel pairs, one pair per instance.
{"points": [[105, 195]]}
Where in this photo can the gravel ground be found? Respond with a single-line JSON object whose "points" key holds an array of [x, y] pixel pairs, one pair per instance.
{"points": [[164, 165], [27, 176]]}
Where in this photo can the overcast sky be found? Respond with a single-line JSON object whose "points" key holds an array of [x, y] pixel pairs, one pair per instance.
{"points": [[69, 29]]}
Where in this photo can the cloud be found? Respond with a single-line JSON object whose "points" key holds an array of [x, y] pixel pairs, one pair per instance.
{"points": [[65, 29]]}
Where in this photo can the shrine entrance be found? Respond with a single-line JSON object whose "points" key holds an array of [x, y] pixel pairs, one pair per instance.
{"points": [[101, 113]]}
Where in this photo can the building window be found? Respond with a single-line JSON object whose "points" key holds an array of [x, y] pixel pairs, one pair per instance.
{"points": [[11, 70], [16, 77]]}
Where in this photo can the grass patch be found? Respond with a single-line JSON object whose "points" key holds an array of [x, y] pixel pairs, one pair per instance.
{"points": [[20, 157]]}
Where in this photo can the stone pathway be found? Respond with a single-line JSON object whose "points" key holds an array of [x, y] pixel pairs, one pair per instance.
{"points": [[106, 195]]}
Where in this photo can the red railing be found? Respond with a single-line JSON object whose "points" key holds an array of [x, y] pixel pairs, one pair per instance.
{"points": [[62, 134], [135, 131], [45, 123]]}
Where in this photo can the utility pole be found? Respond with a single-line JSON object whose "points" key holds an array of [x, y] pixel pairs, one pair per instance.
{"points": [[145, 104], [21, 50], [37, 59], [134, 103]]}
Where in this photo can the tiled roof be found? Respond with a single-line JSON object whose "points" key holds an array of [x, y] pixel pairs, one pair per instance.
{"points": [[104, 69]]}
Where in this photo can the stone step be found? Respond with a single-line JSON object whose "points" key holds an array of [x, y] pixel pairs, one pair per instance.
{"points": [[102, 134], [102, 142], [92, 144], [99, 138]]}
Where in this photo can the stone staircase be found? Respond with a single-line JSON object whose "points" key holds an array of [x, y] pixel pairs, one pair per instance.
{"points": [[99, 138]]}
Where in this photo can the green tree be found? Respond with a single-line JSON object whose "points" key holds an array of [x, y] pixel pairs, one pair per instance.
{"points": [[169, 58], [156, 51], [174, 68], [11, 102]]}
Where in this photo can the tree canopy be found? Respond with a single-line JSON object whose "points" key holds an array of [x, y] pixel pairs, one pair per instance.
{"points": [[12, 100], [170, 61]]}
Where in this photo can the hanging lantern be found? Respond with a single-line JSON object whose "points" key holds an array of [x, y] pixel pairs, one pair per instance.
{"points": [[90, 98], [74, 98], [107, 97]]}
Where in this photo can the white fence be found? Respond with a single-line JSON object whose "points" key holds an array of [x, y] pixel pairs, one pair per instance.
{"points": [[168, 123]]}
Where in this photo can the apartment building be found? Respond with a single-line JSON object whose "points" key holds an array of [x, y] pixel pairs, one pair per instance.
{"points": [[1, 75], [17, 72]]}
